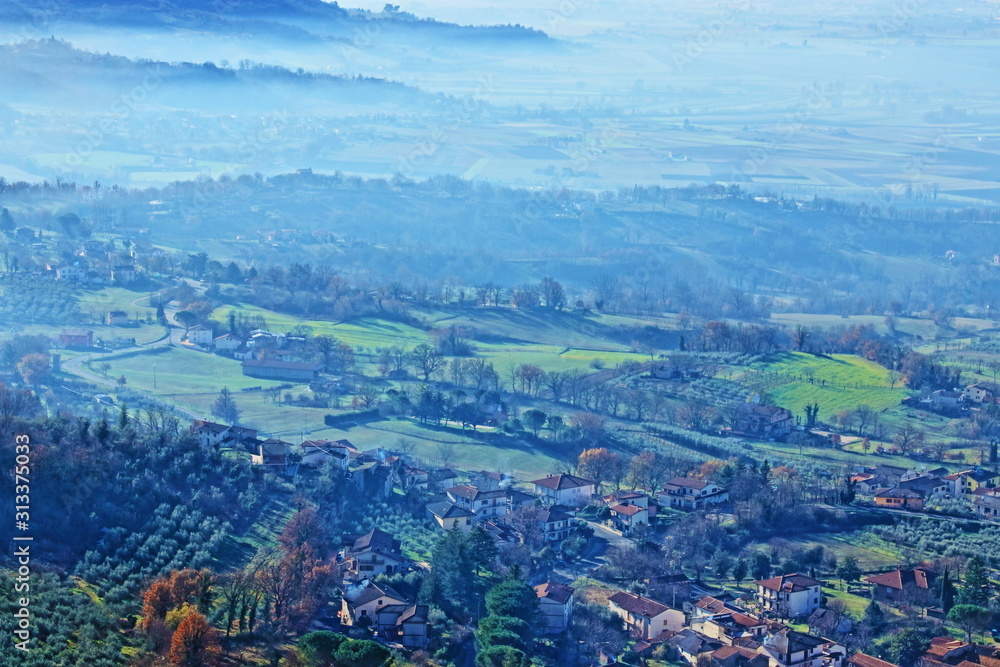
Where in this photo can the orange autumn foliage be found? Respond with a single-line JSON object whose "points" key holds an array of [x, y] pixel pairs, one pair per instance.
{"points": [[167, 592], [195, 643]]}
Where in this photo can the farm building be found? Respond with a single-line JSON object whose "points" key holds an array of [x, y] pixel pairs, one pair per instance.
{"points": [[116, 318], [76, 338], [200, 335], [764, 421], [296, 371], [124, 273]]}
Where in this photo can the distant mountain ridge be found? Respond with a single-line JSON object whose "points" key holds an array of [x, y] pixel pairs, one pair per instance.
{"points": [[305, 16], [53, 71]]}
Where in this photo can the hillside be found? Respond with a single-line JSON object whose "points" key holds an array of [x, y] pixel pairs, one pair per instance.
{"points": [[311, 19], [53, 72]]}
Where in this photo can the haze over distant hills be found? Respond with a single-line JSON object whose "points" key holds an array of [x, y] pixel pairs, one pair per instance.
{"points": [[313, 19], [771, 97]]}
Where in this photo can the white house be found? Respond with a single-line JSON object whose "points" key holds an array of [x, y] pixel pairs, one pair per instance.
{"points": [[124, 273], [789, 595], [69, 272], [625, 518], [227, 342], [978, 393], [316, 453], [209, 433], [555, 524], [556, 602], [365, 600], [690, 494], [788, 648], [483, 504], [645, 618], [564, 489], [199, 334], [372, 554]]}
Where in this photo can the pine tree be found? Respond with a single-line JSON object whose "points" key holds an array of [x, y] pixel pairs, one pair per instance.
{"points": [[875, 617], [976, 583], [225, 407]]}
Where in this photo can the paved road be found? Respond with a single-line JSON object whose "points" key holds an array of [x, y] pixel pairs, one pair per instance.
{"points": [[172, 337]]}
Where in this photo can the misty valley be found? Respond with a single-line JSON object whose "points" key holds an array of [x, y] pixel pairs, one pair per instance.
{"points": [[521, 334]]}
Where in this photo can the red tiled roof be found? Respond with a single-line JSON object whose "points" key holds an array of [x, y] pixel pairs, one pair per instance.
{"points": [[688, 483], [463, 491], [899, 578], [561, 482], [710, 604], [729, 651], [746, 621], [864, 660], [638, 605], [554, 591], [788, 582], [627, 510], [942, 646]]}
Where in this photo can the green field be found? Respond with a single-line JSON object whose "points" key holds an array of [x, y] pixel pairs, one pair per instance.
{"points": [[836, 382], [563, 342], [364, 332], [134, 303], [466, 453]]}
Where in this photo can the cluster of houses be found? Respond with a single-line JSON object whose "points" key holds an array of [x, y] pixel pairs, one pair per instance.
{"points": [[898, 487], [722, 631], [93, 263], [943, 652], [488, 500], [397, 620], [266, 355], [980, 393]]}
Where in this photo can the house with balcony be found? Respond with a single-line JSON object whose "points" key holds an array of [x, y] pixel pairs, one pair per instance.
{"points": [[686, 493], [483, 504], [789, 595], [369, 555], [789, 648]]}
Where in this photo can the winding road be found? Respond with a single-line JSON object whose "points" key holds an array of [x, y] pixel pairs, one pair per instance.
{"points": [[172, 336]]}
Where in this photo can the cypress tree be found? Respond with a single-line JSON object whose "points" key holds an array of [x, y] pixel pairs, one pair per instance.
{"points": [[947, 592]]}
